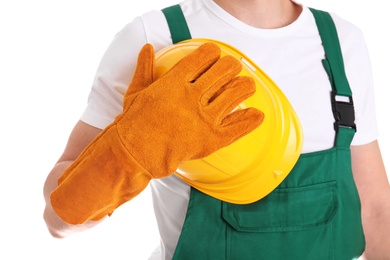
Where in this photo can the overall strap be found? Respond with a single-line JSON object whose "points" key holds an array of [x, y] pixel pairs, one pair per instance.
{"points": [[177, 23], [343, 111]]}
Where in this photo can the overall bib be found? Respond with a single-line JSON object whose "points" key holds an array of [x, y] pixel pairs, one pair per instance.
{"points": [[314, 214]]}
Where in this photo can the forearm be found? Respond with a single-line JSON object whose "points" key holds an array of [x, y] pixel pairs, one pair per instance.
{"points": [[374, 190], [376, 223], [55, 225]]}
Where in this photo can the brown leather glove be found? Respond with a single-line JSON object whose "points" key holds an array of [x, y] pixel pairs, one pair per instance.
{"points": [[185, 114]]}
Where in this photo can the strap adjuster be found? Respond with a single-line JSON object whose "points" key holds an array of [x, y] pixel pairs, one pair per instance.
{"points": [[343, 112]]}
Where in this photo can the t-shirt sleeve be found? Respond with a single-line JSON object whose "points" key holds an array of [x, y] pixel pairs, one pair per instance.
{"points": [[114, 75], [359, 73]]}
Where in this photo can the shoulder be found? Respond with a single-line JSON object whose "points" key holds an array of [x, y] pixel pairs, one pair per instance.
{"points": [[156, 29], [150, 27], [350, 35], [357, 63]]}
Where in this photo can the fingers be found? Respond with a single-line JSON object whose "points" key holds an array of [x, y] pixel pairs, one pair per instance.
{"points": [[196, 63], [238, 123], [224, 70], [143, 75], [227, 98], [241, 123]]}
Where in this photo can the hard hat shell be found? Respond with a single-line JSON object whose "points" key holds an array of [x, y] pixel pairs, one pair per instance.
{"points": [[253, 166]]}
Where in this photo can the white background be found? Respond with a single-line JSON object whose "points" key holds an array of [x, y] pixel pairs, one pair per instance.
{"points": [[49, 51]]}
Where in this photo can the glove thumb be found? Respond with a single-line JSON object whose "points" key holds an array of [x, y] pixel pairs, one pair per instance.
{"points": [[143, 75]]}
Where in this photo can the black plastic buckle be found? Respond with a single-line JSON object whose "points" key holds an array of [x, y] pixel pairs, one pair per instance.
{"points": [[343, 112]]}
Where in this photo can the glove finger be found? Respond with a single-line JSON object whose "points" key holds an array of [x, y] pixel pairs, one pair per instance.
{"points": [[143, 75], [196, 63], [240, 123], [224, 70], [227, 98]]}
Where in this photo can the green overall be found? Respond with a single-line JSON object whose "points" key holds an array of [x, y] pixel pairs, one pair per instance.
{"points": [[314, 214]]}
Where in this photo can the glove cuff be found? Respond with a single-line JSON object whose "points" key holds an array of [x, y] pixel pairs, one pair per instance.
{"points": [[102, 178]]}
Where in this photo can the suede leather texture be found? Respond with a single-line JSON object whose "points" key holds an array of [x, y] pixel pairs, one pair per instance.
{"points": [[186, 114]]}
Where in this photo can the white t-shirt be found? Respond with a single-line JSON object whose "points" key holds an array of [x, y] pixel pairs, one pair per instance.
{"points": [[291, 56]]}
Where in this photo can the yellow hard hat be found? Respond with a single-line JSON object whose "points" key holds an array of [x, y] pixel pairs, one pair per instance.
{"points": [[256, 164]]}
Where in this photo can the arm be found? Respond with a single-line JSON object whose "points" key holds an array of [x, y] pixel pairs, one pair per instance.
{"points": [[82, 134], [374, 191]]}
